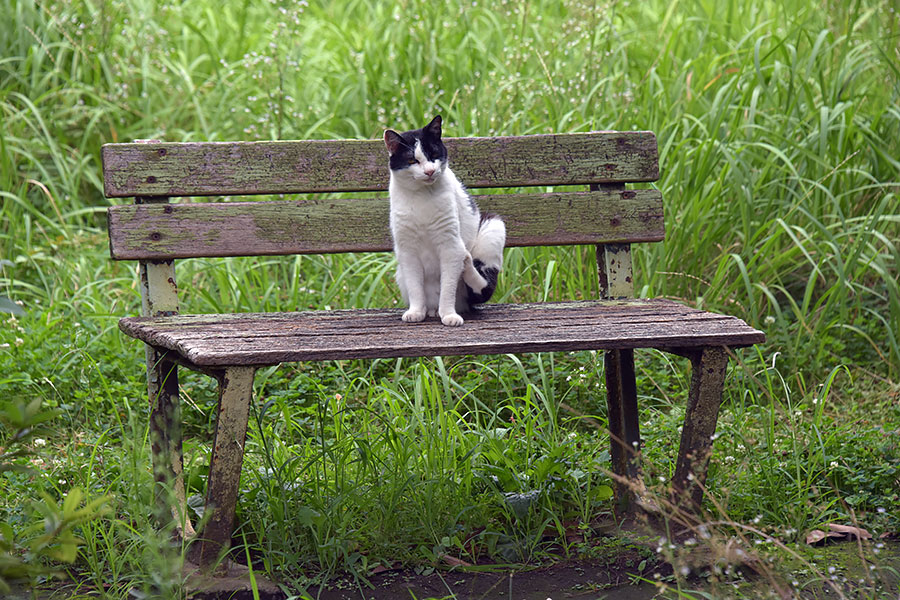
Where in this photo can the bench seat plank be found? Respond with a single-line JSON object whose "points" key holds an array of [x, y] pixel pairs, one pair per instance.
{"points": [[167, 231], [286, 167], [272, 338]]}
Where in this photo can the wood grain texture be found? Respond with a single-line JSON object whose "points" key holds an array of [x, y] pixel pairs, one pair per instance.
{"points": [[285, 167], [272, 338], [167, 231], [708, 370], [226, 458]]}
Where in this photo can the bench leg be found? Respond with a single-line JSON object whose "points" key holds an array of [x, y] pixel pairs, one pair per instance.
{"points": [[705, 398], [624, 428], [235, 390], [165, 443]]}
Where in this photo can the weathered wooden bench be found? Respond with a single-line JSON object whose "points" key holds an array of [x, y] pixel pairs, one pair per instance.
{"points": [[231, 347]]}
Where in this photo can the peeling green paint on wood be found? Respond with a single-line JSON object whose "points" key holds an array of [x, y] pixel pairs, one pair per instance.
{"points": [[166, 231], [284, 167], [616, 276]]}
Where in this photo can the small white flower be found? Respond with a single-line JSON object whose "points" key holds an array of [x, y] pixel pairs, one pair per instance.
{"points": [[40, 442], [19, 341], [833, 464]]}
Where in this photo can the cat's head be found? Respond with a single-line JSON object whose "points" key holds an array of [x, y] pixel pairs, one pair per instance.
{"points": [[417, 155]]}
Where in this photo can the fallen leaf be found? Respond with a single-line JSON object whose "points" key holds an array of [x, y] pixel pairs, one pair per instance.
{"points": [[380, 568], [851, 532], [817, 536], [454, 562], [814, 537]]}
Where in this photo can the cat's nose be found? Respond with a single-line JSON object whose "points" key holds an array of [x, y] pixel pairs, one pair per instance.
{"points": [[429, 171]]}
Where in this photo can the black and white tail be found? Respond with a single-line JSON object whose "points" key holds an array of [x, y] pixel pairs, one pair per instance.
{"points": [[487, 259]]}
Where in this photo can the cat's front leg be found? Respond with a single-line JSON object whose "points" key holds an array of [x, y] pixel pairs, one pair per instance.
{"points": [[411, 279], [452, 264]]}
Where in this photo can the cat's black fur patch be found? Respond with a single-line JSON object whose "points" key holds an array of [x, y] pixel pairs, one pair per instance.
{"points": [[474, 208], [490, 274], [430, 138]]}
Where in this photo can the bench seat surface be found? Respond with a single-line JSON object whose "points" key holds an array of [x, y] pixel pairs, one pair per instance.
{"points": [[219, 340]]}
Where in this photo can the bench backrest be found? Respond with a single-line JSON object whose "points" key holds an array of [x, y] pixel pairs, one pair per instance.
{"points": [[153, 230]]}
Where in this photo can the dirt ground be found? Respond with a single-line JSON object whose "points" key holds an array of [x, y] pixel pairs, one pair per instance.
{"points": [[571, 580], [577, 579]]}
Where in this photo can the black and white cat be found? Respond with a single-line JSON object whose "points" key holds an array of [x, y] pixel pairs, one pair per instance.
{"points": [[448, 254]]}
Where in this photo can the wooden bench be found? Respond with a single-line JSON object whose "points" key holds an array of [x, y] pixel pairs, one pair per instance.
{"points": [[231, 347]]}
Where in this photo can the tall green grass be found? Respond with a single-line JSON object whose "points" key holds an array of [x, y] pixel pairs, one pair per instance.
{"points": [[778, 131]]}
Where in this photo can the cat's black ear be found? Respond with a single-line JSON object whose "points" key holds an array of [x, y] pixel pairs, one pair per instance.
{"points": [[434, 128], [392, 140]]}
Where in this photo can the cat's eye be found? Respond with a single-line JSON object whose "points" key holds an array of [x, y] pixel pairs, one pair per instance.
{"points": [[412, 161]]}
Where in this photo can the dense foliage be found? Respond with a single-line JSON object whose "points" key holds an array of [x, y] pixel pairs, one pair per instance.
{"points": [[779, 137]]}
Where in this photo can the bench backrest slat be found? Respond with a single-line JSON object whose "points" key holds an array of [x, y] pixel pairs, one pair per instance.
{"points": [[166, 231], [286, 167]]}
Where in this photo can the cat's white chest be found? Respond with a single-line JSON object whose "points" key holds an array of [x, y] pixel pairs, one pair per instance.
{"points": [[426, 218]]}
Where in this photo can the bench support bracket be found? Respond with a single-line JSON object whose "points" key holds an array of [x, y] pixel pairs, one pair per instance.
{"points": [[624, 428], [165, 442], [235, 391], [159, 296], [616, 281], [708, 368]]}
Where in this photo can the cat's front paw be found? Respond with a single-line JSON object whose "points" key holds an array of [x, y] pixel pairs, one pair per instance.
{"points": [[414, 315], [452, 320], [472, 277]]}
